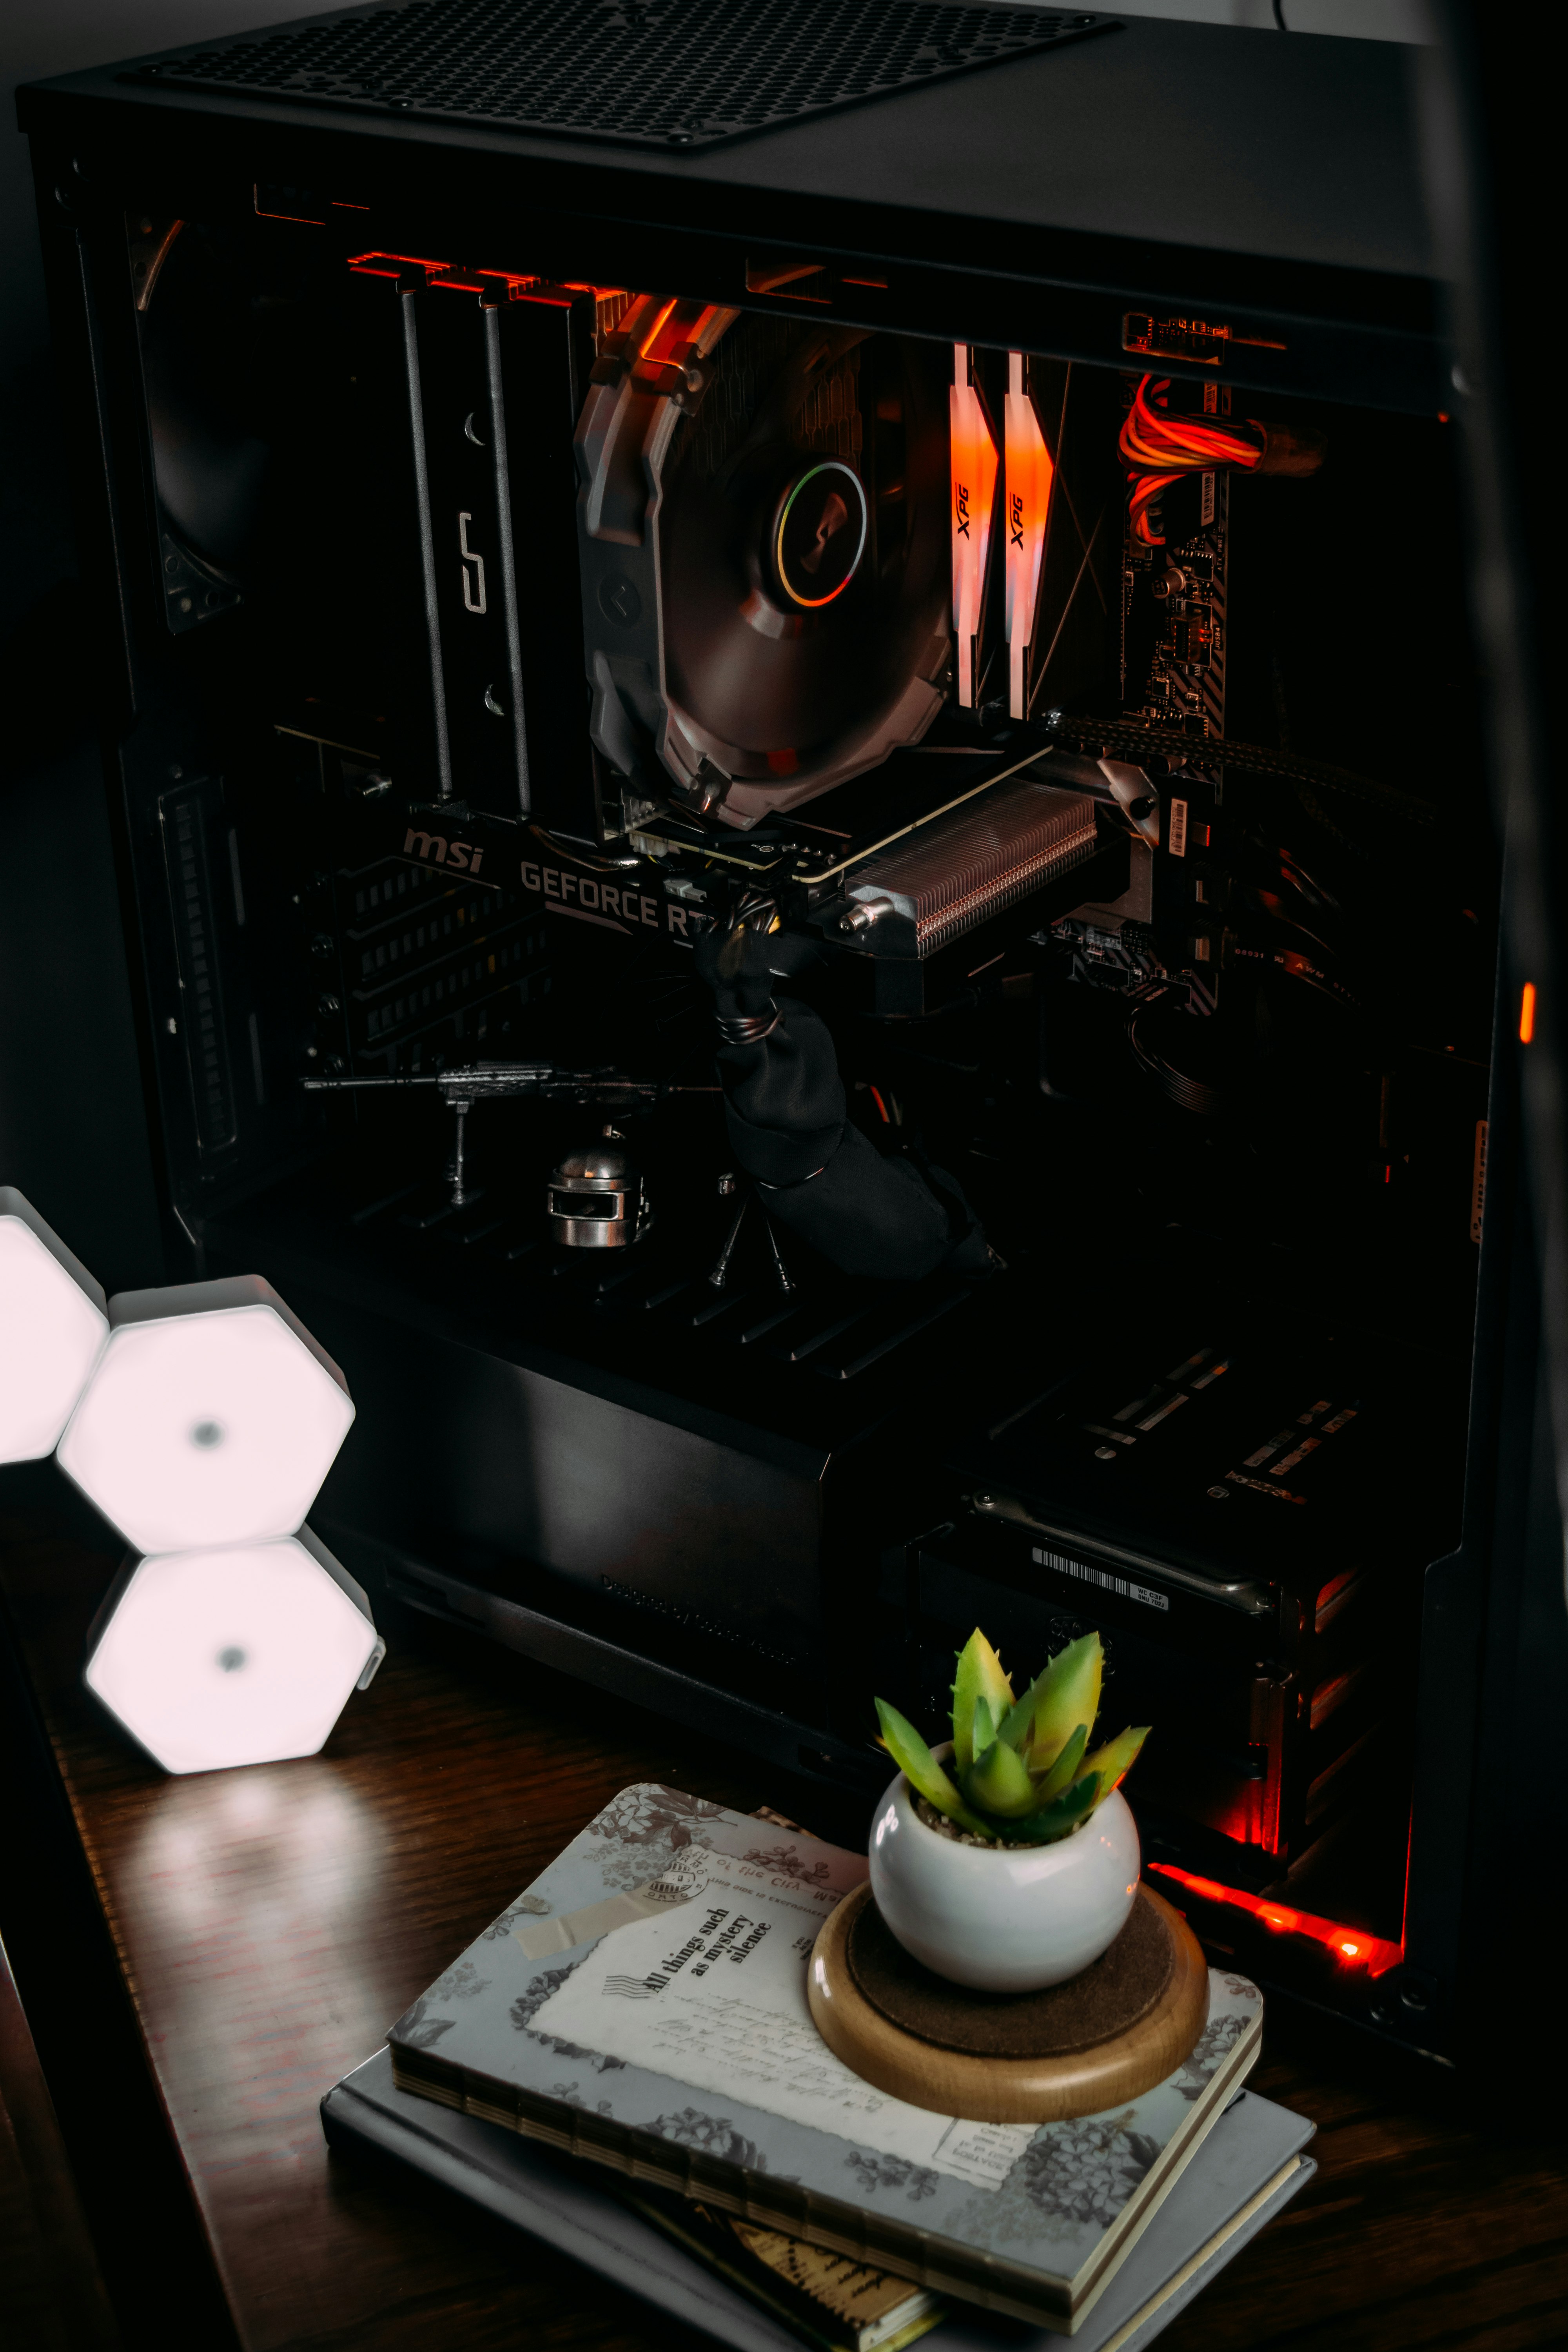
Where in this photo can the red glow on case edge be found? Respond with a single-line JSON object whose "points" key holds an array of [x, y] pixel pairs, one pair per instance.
{"points": [[1350, 1945], [449, 276]]}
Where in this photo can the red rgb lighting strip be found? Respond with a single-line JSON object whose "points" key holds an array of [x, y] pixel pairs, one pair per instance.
{"points": [[1352, 1946], [457, 278]]}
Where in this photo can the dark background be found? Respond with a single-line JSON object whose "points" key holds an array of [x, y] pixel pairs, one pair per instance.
{"points": [[72, 1134]]}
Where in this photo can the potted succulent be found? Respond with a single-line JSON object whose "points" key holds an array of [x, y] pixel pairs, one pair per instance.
{"points": [[1006, 1860]]}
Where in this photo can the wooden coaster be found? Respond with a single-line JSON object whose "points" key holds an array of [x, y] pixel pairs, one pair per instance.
{"points": [[1094, 2042], [1107, 1999]]}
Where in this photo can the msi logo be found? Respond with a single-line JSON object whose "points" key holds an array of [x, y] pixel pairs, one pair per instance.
{"points": [[461, 855], [1015, 504], [961, 491]]}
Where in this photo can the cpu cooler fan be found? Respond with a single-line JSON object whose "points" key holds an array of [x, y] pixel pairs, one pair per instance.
{"points": [[204, 363], [764, 554], [256, 388]]}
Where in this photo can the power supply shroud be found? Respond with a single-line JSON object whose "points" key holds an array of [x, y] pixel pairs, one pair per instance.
{"points": [[412, 767]]}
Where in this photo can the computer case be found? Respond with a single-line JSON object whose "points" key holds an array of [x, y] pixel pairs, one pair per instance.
{"points": [[987, 510]]}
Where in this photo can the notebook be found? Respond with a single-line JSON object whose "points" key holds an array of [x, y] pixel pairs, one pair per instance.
{"points": [[1248, 2169], [830, 2302], [642, 2005]]}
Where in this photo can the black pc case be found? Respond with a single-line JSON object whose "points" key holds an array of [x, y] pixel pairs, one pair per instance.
{"points": [[420, 362]]}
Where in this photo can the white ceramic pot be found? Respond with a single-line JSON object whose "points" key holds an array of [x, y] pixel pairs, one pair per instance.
{"points": [[1013, 1919]]}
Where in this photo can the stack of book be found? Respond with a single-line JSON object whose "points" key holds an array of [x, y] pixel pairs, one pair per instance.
{"points": [[641, 2009]]}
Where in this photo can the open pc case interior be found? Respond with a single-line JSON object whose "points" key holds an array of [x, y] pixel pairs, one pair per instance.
{"points": [[1098, 743]]}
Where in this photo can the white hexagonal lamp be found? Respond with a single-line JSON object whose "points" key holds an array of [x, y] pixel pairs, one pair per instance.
{"points": [[53, 1325], [241, 1656], [203, 1434], [212, 1417]]}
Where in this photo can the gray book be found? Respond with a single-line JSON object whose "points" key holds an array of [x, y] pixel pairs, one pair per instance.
{"points": [[643, 2005], [1248, 2169]]}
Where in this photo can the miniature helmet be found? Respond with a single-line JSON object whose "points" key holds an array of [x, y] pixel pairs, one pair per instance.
{"points": [[596, 1200]]}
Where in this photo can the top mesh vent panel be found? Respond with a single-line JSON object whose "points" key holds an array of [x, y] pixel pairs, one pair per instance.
{"points": [[676, 73]]}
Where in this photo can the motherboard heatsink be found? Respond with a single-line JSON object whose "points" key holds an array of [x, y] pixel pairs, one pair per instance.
{"points": [[964, 868]]}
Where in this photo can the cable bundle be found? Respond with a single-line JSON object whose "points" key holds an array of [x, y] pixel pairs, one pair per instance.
{"points": [[1159, 446], [1155, 438]]}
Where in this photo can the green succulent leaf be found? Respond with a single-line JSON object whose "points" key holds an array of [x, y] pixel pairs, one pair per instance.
{"points": [[1113, 1762], [1066, 1694], [979, 1676], [1053, 1821], [998, 1781], [921, 1768], [1064, 1769], [1020, 1771]]}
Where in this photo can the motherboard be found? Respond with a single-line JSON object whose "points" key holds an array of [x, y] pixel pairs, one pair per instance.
{"points": [[1174, 590]]}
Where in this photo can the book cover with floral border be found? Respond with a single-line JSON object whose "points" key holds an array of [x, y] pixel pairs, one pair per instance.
{"points": [[1031, 2221]]}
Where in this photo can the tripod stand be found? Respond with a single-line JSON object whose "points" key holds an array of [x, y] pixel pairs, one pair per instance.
{"points": [[720, 1274]]}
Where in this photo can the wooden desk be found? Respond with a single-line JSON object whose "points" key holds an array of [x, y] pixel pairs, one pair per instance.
{"points": [[270, 1923]]}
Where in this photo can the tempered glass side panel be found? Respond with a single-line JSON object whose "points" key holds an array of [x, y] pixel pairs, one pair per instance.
{"points": [[510, 635]]}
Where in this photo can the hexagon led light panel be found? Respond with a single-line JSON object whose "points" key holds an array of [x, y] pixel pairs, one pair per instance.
{"points": [[53, 1325], [245, 1655], [211, 1418], [205, 1426]]}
